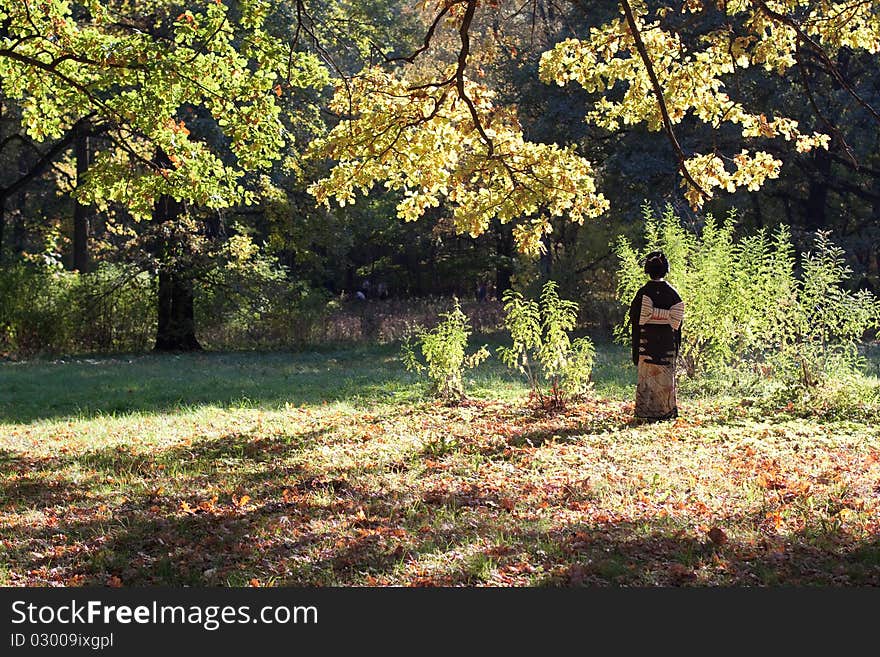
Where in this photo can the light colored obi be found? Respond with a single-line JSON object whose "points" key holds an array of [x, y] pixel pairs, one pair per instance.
{"points": [[651, 315]]}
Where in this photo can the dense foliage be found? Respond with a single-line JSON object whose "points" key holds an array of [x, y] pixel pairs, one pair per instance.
{"points": [[158, 135], [140, 76], [751, 305], [46, 309]]}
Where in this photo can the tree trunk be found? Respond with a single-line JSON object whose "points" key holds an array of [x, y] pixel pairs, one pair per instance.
{"points": [[759, 213], [19, 232], [504, 254], [2, 224], [817, 199], [81, 213], [176, 326], [545, 261], [176, 330]]}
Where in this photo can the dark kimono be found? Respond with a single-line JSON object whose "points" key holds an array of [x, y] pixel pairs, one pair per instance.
{"points": [[656, 314]]}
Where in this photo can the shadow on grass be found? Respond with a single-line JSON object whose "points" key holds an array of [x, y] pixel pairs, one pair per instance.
{"points": [[274, 543], [307, 529], [46, 482]]}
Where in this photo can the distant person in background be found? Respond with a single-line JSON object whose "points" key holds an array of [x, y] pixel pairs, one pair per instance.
{"points": [[364, 291], [482, 291], [656, 315]]}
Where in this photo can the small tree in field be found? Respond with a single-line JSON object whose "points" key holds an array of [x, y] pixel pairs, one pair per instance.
{"points": [[542, 349], [444, 355]]}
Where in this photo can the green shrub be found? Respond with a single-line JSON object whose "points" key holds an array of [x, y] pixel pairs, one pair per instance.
{"points": [[247, 300], [748, 315], [32, 308], [112, 309], [44, 309], [844, 397], [443, 351], [542, 349]]}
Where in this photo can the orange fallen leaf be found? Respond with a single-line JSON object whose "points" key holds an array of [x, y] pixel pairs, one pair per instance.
{"points": [[775, 519], [717, 536]]}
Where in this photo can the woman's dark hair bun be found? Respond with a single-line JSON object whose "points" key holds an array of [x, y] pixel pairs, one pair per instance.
{"points": [[656, 264]]}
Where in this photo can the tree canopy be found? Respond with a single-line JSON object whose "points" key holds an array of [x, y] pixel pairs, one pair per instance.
{"points": [[433, 131], [141, 73]]}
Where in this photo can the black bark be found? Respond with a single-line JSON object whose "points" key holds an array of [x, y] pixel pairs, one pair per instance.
{"points": [[505, 250], [82, 214], [176, 330], [817, 198], [176, 326], [545, 261]]}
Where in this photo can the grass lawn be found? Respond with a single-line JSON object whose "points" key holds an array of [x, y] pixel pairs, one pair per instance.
{"points": [[329, 468]]}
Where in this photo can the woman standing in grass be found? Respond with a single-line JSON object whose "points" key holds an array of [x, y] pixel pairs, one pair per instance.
{"points": [[656, 314]]}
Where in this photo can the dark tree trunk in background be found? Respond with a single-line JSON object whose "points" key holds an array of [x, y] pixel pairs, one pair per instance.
{"points": [[4, 30], [176, 326], [2, 224], [504, 252], [19, 233], [817, 198], [349, 279], [176, 329], [759, 214], [873, 268], [545, 261], [82, 214]]}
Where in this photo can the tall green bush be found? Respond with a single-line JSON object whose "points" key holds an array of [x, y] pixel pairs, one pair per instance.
{"points": [[32, 308], [747, 308], [542, 349], [248, 300], [44, 309], [444, 356], [112, 309]]}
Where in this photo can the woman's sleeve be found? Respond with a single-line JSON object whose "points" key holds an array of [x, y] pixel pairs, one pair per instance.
{"points": [[634, 311], [676, 334], [677, 312]]}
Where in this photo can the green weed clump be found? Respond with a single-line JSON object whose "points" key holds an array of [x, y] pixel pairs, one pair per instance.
{"points": [[444, 358], [45, 309], [556, 366]]}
